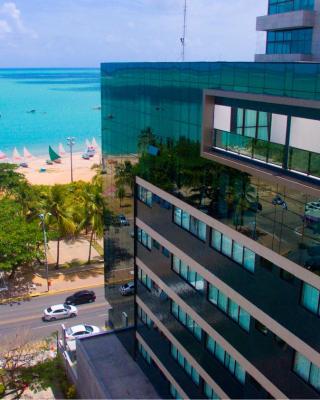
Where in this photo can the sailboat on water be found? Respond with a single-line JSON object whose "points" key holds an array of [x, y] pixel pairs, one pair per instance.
{"points": [[94, 143], [62, 151], [54, 156]]}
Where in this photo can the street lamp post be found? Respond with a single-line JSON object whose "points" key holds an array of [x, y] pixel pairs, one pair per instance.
{"points": [[42, 218], [71, 142]]}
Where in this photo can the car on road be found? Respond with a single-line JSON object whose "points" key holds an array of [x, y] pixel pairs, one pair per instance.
{"points": [[81, 297], [127, 289], [123, 220], [59, 311], [80, 330]]}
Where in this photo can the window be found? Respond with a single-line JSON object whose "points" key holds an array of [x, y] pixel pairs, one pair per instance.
{"points": [[156, 244], [190, 223], [186, 320], [260, 327], [309, 372], [289, 41], [144, 195], [187, 273], [224, 358], [174, 393], [165, 252], [144, 317], [234, 250], [310, 298], [144, 238], [209, 392], [185, 365], [282, 6], [228, 306], [144, 279], [144, 353], [252, 123]]}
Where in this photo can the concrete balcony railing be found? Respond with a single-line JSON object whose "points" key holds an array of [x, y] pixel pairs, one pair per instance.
{"points": [[289, 20]]}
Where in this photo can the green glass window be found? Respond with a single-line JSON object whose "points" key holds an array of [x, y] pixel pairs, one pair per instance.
{"points": [[290, 41], [144, 195], [309, 372], [310, 298], [283, 6], [209, 392], [186, 320]]}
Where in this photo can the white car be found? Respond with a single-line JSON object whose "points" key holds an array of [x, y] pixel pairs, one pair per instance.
{"points": [[127, 289], [80, 330], [59, 311]]}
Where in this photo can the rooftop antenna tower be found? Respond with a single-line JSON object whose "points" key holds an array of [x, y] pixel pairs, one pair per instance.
{"points": [[183, 38]]}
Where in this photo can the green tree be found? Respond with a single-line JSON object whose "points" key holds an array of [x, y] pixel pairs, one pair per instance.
{"points": [[146, 138], [10, 179], [121, 193], [93, 208], [19, 239], [125, 176]]}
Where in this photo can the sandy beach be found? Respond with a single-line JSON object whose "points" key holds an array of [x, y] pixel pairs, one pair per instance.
{"points": [[60, 173]]}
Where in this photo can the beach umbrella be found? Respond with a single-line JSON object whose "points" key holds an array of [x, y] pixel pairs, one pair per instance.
{"points": [[3, 155], [16, 155], [27, 154]]}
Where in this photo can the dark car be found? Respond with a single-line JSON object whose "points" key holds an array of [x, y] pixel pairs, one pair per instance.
{"points": [[84, 296]]}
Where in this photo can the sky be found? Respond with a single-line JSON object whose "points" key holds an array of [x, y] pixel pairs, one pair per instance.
{"points": [[84, 33]]}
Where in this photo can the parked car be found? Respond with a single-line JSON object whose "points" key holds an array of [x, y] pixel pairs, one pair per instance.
{"points": [[59, 311], [85, 156], [80, 330], [82, 297], [123, 220], [127, 289]]}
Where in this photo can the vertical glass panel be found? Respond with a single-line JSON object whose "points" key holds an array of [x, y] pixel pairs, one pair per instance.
{"points": [[213, 294], [184, 270], [315, 377], [175, 309], [194, 225], [240, 373], [244, 319], [178, 216], [211, 344], [302, 366], [237, 252], [195, 376], [249, 260], [216, 240], [176, 264], [226, 246], [220, 353], [202, 230], [182, 316], [233, 310], [199, 284], [310, 298], [180, 359], [223, 302], [174, 351], [197, 331], [185, 220], [192, 276]]}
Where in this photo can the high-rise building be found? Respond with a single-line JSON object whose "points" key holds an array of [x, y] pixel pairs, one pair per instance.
{"points": [[293, 31], [224, 224]]}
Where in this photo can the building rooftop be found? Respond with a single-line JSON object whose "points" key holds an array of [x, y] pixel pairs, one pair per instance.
{"points": [[106, 369]]}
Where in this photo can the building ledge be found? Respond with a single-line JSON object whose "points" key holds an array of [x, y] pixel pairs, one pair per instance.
{"points": [[289, 20], [284, 57]]}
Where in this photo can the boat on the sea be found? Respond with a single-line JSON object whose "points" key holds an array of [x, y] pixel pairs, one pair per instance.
{"points": [[16, 158], [26, 154], [62, 151], [54, 156]]}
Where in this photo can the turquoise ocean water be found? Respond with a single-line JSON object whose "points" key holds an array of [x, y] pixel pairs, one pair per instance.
{"points": [[65, 103]]}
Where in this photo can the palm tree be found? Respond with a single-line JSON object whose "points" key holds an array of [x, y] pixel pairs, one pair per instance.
{"points": [[120, 193], [93, 213], [59, 216]]}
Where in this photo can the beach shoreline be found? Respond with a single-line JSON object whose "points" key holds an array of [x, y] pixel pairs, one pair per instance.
{"points": [[60, 173]]}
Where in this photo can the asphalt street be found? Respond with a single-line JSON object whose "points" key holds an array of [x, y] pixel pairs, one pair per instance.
{"points": [[25, 317]]}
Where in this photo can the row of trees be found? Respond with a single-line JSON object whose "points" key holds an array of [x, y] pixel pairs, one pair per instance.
{"points": [[69, 210]]}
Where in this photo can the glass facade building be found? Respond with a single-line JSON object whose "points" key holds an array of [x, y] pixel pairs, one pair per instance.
{"points": [[292, 31], [221, 168]]}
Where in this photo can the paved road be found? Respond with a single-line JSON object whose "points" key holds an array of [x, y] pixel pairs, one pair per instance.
{"points": [[26, 316]]}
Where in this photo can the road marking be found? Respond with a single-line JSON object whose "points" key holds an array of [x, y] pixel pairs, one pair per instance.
{"points": [[38, 316]]}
